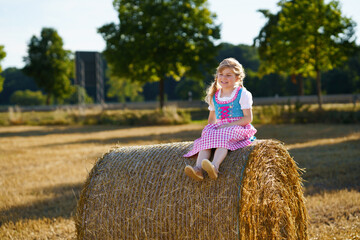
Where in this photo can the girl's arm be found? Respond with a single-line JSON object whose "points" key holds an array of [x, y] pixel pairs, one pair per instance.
{"points": [[212, 117], [243, 121], [247, 119]]}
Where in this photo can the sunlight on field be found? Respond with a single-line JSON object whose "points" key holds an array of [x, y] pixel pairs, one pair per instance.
{"points": [[326, 141], [43, 168]]}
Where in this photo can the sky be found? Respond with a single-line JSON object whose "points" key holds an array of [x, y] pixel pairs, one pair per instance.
{"points": [[77, 21]]}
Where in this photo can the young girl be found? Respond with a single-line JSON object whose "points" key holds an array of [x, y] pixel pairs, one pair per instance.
{"points": [[229, 120]]}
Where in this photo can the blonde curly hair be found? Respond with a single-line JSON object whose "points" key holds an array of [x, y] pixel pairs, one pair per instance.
{"points": [[235, 66]]}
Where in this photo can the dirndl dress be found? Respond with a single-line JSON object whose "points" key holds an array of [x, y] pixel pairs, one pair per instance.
{"points": [[231, 138]]}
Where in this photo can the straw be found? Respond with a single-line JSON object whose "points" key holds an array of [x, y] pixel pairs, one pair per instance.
{"points": [[141, 192]]}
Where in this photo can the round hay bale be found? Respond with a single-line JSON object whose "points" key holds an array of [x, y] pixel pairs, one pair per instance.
{"points": [[142, 193]]}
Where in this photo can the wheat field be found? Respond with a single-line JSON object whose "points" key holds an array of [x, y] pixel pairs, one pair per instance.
{"points": [[43, 168]]}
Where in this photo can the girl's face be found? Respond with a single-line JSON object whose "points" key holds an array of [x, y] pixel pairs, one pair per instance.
{"points": [[227, 78]]}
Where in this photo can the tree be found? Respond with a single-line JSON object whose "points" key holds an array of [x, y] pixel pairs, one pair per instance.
{"points": [[190, 89], [123, 89], [280, 49], [27, 98], [15, 80], [348, 73], [49, 64], [2, 56], [77, 90], [305, 38], [246, 55], [159, 39]]}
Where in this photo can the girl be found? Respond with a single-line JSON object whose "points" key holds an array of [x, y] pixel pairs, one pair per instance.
{"points": [[229, 120]]}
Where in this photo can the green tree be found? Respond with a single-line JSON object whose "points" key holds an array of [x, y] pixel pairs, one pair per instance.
{"points": [[345, 78], [15, 80], [49, 64], [245, 54], [73, 98], [123, 89], [189, 88], [280, 49], [159, 39], [305, 38], [27, 98], [2, 56]]}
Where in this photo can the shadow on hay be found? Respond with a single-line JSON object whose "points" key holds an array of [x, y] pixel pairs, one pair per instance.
{"points": [[62, 130], [165, 137], [62, 204], [330, 167]]}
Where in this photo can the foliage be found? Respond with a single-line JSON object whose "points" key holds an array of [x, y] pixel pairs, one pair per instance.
{"points": [[27, 98], [15, 80], [189, 88], [269, 85], [49, 64], [303, 113], [345, 78], [279, 50], [305, 38], [159, 39], [2, 56], [123, 89], [74, 96], [246, 55]]}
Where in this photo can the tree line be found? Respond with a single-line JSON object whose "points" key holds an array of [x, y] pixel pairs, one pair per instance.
{"points": [[165, 49]]}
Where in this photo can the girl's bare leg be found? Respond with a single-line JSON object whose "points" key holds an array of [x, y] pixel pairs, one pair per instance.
{"points": [[196, 172], [219, 156], [212, 168], [203, 154]]}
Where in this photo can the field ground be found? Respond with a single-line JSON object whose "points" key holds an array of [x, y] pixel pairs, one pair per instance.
{"points": [[42, 170]]}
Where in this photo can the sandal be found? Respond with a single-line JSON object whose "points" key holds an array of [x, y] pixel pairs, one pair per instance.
{"points": [[211, 170], [195, 173]]}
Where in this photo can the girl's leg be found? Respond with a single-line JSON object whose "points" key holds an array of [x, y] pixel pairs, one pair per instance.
{"points": [[203, 154], [219, 156], [196, 172], [212, 168]]}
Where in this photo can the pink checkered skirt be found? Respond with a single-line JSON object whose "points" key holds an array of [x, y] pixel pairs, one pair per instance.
{"points": [[231, 138]]}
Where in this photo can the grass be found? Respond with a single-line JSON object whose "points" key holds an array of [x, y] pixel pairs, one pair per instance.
{"points": [[307, 113], [273, 114], [95, 116], [43, 168]]}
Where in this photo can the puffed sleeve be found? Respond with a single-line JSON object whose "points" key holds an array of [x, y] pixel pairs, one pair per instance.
{"points": [[211, 106], [246, 100]]}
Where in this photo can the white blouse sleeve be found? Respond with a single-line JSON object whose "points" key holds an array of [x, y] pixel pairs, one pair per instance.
{"points": [[246, 100], [211, 106]]}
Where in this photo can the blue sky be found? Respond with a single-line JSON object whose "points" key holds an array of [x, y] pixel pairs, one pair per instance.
{"points": [[77, 20]]}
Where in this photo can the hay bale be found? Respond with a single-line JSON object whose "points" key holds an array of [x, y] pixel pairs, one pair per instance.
{"points": [[142, 193]]}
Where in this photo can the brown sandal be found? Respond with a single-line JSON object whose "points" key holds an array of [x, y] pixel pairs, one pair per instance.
{"points": [[211, 170], [195, 173]]}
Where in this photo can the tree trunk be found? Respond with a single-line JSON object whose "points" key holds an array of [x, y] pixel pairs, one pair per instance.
{"points": [[318, 83], [300, 82], [161, 93]]}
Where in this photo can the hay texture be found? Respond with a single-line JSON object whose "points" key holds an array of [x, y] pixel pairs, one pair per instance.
{"points": [[142, 193]]}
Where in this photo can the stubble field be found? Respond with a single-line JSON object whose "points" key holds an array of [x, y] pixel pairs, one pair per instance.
{"points": [[42, 170]]}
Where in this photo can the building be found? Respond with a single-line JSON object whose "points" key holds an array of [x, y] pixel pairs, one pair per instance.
{"points": [[90, 70]]}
